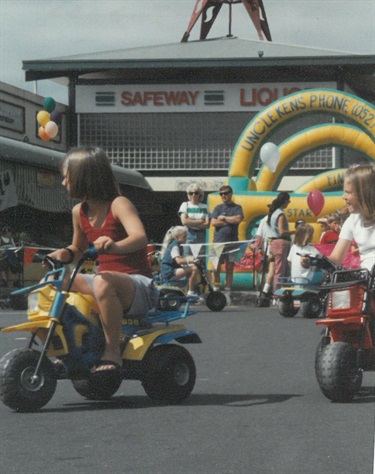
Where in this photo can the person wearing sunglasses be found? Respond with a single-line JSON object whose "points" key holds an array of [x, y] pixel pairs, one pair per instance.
{"points": [[194, 216], [226, 218]]}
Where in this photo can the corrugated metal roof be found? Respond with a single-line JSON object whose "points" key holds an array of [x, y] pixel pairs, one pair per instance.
{"points": [[196, 61], [219, 48]]}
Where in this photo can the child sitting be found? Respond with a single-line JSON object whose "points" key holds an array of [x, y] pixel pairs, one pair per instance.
{"points": [[302, 245], [174, 265]]}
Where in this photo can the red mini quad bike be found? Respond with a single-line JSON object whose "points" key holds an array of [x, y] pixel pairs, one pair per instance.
{"points": [[348, 347]]}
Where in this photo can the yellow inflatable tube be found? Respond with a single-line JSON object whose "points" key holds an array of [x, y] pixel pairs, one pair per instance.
{"points": [[336, 103], [255, 205], [312, 138]]}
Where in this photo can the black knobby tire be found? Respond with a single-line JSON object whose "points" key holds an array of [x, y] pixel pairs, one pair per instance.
{"points": [[312, 307], [169, 374], [17, 388], [337, 373], [99, 386], [263, 302], [216, 301], [169, 303], [286, 307]]}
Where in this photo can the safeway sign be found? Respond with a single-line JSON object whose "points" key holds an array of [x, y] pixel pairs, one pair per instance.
{"points": [[169, 98]]}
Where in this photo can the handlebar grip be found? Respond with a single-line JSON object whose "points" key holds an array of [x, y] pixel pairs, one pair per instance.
{"points": [[90, 254]]}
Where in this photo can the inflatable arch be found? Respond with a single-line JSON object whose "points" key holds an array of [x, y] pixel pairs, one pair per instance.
{"points": [[254, 195], [336, 103]]}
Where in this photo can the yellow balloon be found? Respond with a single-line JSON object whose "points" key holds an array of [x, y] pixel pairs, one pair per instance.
{"points": [[43, 117]]}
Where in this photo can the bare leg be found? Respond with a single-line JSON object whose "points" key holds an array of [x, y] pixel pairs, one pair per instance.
{"points": [[229, 274], [217, 276], [193, 278], [114, 293]]}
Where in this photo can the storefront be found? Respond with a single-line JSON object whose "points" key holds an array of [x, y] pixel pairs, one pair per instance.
{"points": [[175, 112]]}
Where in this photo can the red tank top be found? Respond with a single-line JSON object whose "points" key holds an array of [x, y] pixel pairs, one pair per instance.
{"points": [[132, 263]]}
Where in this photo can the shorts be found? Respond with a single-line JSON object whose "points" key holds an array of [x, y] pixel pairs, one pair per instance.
{"points": [[229, 255], [146, 295]]}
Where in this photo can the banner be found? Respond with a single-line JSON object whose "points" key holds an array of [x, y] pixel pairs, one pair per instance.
{"points": [[8, 193], [214, 250]]}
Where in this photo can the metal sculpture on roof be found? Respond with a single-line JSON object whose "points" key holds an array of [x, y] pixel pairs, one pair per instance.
{"points": [[209, 10]]}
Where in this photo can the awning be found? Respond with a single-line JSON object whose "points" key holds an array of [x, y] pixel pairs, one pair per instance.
{"points": [[35, 156]]}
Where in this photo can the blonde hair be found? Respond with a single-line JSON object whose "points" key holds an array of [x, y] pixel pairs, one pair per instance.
{"points": [[172, 234], [362, 179], [304, 234], [194, 187]]}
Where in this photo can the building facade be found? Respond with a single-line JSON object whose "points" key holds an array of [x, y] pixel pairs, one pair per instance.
{"points": [[175, 112]]}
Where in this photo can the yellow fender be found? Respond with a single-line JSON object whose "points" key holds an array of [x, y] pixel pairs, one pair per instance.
{"points": [[137, 347]]}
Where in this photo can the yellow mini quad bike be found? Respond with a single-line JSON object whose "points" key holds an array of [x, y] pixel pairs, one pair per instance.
{"points": [[67, 340]]}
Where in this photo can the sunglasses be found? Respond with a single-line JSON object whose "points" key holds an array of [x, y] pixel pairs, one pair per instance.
{"points": [[225, 193], [194, 193]]}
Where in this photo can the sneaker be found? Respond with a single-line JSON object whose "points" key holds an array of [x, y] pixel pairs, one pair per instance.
{"points": [[216, 288]]}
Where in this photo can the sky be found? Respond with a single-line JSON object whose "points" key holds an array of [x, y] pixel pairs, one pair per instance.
{"points": [[40, 29]]}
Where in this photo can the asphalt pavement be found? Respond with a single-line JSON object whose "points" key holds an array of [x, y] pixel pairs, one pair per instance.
{"points": [[256, 409]]}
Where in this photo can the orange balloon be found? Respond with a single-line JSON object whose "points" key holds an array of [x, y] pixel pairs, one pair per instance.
{"points": [[43, 135]]}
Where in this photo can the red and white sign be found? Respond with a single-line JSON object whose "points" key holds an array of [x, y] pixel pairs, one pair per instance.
{"points": [[172, 98]]}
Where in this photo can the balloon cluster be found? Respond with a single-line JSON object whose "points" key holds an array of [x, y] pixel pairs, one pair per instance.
{"points": [[49, 120]]}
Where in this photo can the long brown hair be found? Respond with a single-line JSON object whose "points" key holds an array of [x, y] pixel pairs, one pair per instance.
{"points": [[90, 174], [362, 179]]}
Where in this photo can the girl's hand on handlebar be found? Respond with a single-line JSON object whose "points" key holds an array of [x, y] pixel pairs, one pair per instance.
{"points": [[103, 244]]}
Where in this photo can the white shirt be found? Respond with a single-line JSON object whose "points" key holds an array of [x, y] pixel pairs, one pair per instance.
{"points": [[298, 272], [354, 229]]}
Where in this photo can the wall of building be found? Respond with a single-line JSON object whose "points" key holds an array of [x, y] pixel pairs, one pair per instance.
{"points": [[18, 111]]}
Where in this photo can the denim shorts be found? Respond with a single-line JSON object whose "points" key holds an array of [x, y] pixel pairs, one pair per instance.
{"points": [[146, 295]]}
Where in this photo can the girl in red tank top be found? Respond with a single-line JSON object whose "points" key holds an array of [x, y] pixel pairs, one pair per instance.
{"points": [[109, 222]]}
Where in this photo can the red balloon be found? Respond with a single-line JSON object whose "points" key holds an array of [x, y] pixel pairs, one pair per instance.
{"points": [[315, 201]]}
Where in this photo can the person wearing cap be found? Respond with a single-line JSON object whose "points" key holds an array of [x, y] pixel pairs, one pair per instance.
{"points": [[6, 242]]}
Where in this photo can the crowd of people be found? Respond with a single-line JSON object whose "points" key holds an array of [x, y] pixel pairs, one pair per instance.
{"points": [[123, 284]]}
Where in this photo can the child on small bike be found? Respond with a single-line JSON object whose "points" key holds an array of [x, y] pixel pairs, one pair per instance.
{"points": [[174, 265], [301, 272]]}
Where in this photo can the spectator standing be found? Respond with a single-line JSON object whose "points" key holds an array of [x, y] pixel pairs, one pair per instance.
{"points": [[226, 218], [280, 236], [194, 216], [262, 234]]}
